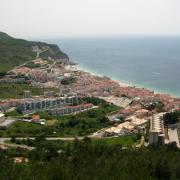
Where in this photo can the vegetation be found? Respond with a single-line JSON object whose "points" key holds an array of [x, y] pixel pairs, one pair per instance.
{"points": [[125, 141], [158, 106], [14, 90], [54, 52], [14, 52], [45, 115], [2, 74], [87, 160], [95, 101], [172, 117], [23, 129], [32, 65], [85, 123], [40, 141], [72, 125], [68, 81], [13, 113]]}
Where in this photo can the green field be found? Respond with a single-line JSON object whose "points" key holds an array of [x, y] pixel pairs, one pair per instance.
{"points": [[4, 67], [13, 114], [74, 125], [22, 129], [13, 90], [122, 140]]}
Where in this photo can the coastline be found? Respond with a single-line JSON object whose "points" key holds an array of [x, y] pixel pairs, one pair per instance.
{"points": [[146, 73], [124, 84], [80, 68]]}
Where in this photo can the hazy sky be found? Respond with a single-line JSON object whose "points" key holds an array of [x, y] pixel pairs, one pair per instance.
{"points": [[51, 18]]}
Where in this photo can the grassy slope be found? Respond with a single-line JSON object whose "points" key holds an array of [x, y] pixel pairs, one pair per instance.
{"points": [[74, 125], [13, 90], [14, 51]]}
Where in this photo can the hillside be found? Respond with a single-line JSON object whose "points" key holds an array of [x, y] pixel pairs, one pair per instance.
{"points": [[14, 52]]}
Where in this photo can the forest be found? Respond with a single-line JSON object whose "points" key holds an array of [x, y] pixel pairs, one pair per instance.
{"points": [[89, 160], [172, 117]]}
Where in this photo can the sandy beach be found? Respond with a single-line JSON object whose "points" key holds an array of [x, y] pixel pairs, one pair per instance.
{"points": [[122, 84], [79, 68]]}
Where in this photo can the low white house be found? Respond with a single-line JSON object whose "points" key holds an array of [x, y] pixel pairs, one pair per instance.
{"points": [[2, 118]]}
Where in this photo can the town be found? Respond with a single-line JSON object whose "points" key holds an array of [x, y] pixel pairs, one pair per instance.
{"points": [[89, 90], [65, 86]]}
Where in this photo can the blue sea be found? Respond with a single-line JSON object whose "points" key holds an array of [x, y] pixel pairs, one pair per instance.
{"points": [[150, 62]]}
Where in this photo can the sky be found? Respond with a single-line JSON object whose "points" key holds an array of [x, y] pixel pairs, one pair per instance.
{"points": [[76, 18]]}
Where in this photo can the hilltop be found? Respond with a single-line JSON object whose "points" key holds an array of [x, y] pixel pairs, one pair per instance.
{"points": [[14, 52]]}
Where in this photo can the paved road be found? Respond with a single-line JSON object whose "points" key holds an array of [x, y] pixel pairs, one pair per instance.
{"points": [[3, 141]]}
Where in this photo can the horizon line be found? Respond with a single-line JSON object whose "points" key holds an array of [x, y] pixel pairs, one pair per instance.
{"points": [[103, 37]]}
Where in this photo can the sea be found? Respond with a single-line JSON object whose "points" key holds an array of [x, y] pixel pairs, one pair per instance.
{"points": [[148, 62]]}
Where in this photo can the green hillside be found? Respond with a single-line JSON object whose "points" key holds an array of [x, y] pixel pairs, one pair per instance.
{"points": [[14, 51]]}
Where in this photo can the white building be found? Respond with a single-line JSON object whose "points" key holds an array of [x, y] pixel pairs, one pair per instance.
{"points": [[156, 132], [2, 118]]}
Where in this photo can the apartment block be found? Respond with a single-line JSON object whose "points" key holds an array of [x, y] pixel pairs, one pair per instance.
{"points": [[42, 104], [70, 109], [156, 132]]}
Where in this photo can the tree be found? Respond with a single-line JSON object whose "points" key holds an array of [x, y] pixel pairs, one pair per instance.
{"points": [[13, 139], [162, 170]]}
